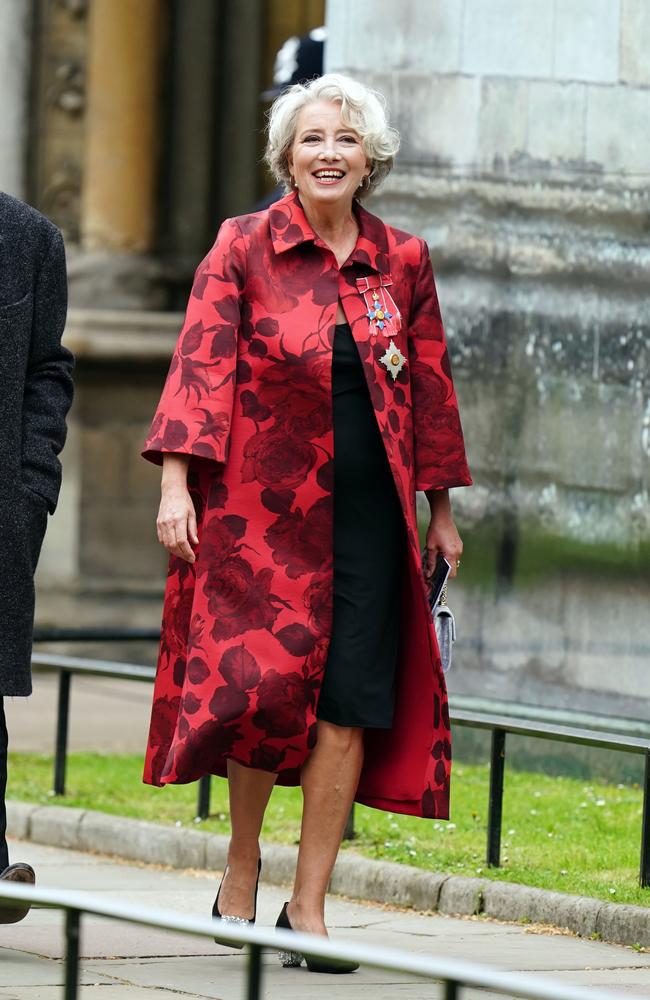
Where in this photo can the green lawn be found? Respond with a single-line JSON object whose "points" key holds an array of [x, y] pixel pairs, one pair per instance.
{"points": [[558, 833]]}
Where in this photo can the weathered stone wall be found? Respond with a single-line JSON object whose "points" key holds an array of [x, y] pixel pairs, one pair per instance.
{"points": [[525, 164], [101, 563], [494, 85], [102, 537]]}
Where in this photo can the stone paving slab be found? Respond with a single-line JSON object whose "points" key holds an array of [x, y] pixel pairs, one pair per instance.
{"points": [[23, 968], [101, 991], [124, 962], [225, 980]]}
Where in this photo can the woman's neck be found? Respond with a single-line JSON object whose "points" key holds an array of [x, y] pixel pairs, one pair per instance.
{"points": [[331, 222]]}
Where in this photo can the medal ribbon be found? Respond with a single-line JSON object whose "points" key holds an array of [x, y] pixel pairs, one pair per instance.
{"points": [[381, 310]]}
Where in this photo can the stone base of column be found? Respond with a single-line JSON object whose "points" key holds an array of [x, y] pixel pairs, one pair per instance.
{"points": [[112, 280]]}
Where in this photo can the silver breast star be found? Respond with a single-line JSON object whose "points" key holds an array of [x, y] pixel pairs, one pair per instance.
{"points": [[393, 359]]}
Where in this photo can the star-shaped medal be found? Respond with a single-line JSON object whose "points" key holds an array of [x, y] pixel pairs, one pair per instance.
{"points": [[393, 359]]}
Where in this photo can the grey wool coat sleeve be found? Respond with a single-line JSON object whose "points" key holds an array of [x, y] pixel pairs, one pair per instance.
{"points": [[35, 396], [48, 386], [37, 371]]}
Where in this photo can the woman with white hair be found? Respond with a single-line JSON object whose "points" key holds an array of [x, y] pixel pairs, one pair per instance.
{"points": [[309, 397]]}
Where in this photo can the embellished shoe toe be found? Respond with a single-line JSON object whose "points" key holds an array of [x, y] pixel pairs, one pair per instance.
{"points": [[294, 959], [227, 918]]}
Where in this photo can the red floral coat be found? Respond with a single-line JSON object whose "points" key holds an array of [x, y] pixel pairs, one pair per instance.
{"points": [[246, 628]]}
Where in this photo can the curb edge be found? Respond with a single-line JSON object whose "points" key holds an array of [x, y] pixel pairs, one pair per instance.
{"points": [[353, 876]]}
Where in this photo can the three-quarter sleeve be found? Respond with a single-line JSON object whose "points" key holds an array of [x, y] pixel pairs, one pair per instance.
{"points": [[439, 449], [194, 414]]}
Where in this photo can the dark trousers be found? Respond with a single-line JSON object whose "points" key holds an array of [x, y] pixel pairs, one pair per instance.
{"points": [[4, 853]]}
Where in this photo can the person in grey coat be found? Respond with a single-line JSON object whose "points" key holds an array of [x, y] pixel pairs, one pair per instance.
{"points": [[35, 396]]}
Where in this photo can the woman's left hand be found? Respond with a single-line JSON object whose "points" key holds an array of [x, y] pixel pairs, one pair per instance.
{"points": [[442, 534]]}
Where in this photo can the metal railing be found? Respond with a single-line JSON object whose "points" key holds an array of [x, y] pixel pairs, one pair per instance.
{"points": [[67, 667], [103, 633], [453, 973], [499, 725]]}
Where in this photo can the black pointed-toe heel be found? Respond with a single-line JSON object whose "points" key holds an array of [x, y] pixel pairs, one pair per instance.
{"points": [[235, 921], [293, 959]]}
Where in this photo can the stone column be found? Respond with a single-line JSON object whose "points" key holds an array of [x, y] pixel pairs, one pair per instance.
{"points": [[121, 126], [188, 169], [122, 133], [15, 23], [240, 85]]}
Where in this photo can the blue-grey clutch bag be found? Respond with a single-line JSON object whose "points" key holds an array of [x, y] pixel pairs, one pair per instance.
{"points": [[442, 615], [445, 626]]}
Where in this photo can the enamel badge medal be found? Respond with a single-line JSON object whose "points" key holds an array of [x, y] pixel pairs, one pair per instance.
{"points": [[383, 315]]}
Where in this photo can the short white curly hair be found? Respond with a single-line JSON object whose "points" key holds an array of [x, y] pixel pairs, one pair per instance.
{"points": [[362, 109]]}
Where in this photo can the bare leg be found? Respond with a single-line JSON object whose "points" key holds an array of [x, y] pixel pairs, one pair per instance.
{"points": [[249, 791], [329, 782]]}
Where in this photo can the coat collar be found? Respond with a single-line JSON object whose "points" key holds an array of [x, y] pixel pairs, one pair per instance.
{"points": [[290, 227]]}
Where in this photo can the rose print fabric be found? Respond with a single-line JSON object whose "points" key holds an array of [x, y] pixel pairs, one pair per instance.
{"points": [[247, 627]]}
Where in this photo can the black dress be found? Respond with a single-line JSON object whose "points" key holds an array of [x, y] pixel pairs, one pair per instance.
{"points": [[369, 545]]}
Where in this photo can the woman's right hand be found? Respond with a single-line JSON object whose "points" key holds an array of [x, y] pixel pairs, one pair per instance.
{"points": [[176, 521]]}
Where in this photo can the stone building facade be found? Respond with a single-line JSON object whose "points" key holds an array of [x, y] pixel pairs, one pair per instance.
{"points": [[524, 163]]}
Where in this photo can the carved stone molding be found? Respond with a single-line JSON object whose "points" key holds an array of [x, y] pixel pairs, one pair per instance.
{"points": [[58, 111], [67, 90], [77, 8]]}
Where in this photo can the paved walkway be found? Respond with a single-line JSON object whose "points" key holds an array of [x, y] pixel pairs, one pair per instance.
{"points": [[96, 703], [122, 961]]}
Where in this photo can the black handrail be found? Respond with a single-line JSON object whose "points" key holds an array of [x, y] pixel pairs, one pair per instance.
{"points": [[103, 633], [498, 725]]}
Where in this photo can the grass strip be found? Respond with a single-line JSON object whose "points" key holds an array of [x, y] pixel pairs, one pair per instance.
{"points": [[558, 833]]}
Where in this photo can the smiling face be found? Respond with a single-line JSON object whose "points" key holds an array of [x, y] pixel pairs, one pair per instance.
{"points": [[326, 157]]}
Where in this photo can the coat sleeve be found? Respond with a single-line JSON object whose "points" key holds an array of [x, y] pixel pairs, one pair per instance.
{"points": [[195, 409], [439, 450], [48, 383]]}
